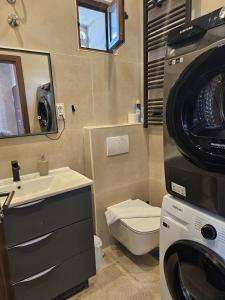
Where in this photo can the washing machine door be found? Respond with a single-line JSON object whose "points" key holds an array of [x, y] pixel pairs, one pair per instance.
{"points": [[195, 111], [44, 109], [194, 272], [44, 115]]}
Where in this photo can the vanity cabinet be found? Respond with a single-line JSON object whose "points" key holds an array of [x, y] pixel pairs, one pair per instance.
{"points": [[50, 245]]}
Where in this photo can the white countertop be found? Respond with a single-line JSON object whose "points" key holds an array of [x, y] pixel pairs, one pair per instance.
{"points": [[35, 187]]}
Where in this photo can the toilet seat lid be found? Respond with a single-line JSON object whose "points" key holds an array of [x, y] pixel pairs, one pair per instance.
{"points": [[142, 225]]}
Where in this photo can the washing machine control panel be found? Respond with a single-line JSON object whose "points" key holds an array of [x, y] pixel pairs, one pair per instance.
{"points": [[209, 232], [196, 29]]}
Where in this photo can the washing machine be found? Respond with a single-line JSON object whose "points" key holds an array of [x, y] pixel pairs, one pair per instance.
{"points": [[46, 108], [192, 252], [194, 112]]}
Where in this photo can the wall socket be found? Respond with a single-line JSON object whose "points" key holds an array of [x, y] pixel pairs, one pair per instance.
{"points": [[60, 111]]}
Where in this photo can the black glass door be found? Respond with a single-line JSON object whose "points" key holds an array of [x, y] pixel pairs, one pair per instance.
{"points": [[195, 112], [194, 272], [44, 108]]}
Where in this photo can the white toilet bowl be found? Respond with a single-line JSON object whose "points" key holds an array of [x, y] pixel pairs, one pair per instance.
{"points": [[138, 235]]}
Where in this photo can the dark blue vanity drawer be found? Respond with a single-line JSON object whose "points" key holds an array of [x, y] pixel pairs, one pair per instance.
{"points": [[41, 253], [25, 222], [57, 279]]}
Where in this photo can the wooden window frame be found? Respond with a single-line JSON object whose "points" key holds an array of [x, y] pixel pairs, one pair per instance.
{"points": [[104, 8], [93, 5], [121, 24], [16, 61]]}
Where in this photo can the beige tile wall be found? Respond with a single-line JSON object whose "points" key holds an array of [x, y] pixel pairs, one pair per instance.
{"points": [[202, 7], [156, 166], [208, 5], [101, 86], [116, 178]]}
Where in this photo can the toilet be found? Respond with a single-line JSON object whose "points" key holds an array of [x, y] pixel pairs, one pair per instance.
{"points": [[135, 225]]}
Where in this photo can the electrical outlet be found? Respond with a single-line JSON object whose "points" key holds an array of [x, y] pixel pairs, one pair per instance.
{"points": [[60, 111]]}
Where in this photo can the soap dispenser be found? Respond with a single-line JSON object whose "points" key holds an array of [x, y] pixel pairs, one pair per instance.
{"points": [[43, 166], [137, 110]]}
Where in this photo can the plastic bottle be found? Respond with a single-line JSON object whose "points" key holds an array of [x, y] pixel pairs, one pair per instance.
{"points": [[43, 166], [137, 110]]}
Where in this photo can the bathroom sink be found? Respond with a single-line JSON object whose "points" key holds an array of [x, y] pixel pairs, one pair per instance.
{"points": [[33, 186], [29, 187]]}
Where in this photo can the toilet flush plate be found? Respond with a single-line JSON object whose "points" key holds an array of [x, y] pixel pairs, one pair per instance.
{"points": [[117, 145]]}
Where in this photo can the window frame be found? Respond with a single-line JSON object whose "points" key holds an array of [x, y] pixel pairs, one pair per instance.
{"points": [[121, 24], [100, 7], [105, 8]]}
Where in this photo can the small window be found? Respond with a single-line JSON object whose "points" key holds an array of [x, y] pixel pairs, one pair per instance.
{"points": [[101, 24]]}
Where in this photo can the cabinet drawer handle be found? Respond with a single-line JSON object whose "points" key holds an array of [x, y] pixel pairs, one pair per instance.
{"points": [[35, 241], [29, 204], [39, 275]]}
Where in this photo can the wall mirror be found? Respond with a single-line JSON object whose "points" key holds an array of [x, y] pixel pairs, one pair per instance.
{"points": [[27, 102]]}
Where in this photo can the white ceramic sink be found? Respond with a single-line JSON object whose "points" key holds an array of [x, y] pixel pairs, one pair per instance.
{"points": [[33, 187]]}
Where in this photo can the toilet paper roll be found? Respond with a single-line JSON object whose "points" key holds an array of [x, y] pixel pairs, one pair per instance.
{"points": [[132, 118]]}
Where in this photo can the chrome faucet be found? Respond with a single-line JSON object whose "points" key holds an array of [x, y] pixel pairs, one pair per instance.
{"points": [[15, 170]]}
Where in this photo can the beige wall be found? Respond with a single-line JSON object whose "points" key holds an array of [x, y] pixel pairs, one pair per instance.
{"points": [[116, 178], [209, 5], [101, 86], [156, 166], [202, 7]]}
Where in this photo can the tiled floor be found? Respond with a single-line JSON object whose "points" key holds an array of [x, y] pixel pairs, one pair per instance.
{"points": [[124, 277]]}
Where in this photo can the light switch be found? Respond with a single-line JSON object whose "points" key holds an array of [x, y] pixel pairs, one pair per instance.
{"points": [[117, 145]]}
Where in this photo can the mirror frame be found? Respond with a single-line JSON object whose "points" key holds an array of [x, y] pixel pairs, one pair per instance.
{"points": [[48, 55]]}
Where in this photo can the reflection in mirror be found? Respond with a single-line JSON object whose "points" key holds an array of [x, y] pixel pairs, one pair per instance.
{"points": [[27, 104]]}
